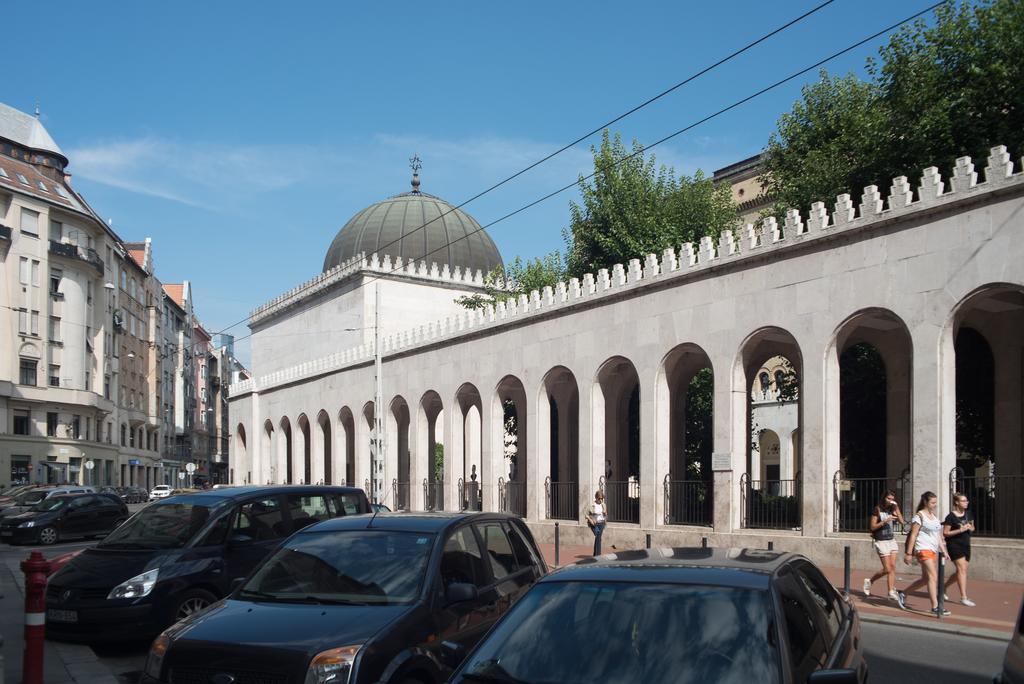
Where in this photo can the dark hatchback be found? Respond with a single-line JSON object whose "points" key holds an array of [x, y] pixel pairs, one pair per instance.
{"points": [[676, 615], [64, 516], [180, 554], [359, 600]]}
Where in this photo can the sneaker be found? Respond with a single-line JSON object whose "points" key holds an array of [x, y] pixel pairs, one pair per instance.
{"points": [[901, 599], [894, 596], [945, 597], [945, 613], [967, 602], [867, 586]]}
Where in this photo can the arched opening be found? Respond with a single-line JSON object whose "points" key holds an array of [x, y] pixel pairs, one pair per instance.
{"points": [[988, 345], [305, 473], [284, 457], [398, 440], [770, 487], [467, 446], [242, 452], [616, 437], [323, 422], [430, 437], [347, 446], [510, 406], [869, 369], [686, 435], [558, 418], [267, 457]]}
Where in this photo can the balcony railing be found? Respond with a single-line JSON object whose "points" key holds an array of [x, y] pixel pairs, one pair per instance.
{"points": [[469, 495], [401, 492], [70, 251], [995, 501], [688, 502], [563, 500], [512, 497], [855, 500], [623, 499], [433, 495], [770, 504]]}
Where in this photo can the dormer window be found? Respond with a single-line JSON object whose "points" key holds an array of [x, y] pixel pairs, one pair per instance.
{"points": [[24, 181], [42, 186]]}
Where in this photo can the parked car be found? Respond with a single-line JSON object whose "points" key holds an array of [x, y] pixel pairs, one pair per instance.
{"points": [[1013, 662], [672, 615], [64, 516], [28, 499], [380, 508], [178, 555], [7, 498], [139, 494], [160, 492], [358, 600]]}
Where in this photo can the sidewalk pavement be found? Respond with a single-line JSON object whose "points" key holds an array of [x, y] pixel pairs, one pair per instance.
{"points": [[994, 617], [62, 663]]}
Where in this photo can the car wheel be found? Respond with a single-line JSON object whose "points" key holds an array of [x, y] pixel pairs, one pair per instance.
{"points": [[48, 535], [191, 602]]}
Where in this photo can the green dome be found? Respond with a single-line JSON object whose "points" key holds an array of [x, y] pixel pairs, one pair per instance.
{"points": [[396, 227]]}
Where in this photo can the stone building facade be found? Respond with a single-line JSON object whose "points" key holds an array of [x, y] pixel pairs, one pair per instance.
{"points": [[593, 373]]}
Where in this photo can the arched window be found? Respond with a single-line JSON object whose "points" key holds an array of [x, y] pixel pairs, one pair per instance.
{"points": [[766, 383], [780, 380]]}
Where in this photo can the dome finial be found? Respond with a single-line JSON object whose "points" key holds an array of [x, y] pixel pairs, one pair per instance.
{"points": [[415, 164]]}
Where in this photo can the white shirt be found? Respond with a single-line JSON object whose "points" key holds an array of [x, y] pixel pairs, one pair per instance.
{"points": [[597, 512], [930, 534]]}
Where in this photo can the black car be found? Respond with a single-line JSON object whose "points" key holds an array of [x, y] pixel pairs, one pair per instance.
{"points": [[64, 516], [180, 554], [676, 615], [359, 600]]}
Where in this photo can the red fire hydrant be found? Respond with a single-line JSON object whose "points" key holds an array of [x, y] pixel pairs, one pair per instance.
{"points": [[36, 569]]}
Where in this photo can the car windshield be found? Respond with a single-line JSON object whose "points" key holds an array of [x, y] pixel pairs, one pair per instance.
{"points": [[372, 567], [51, 504], [169, 524], [585, 632]]}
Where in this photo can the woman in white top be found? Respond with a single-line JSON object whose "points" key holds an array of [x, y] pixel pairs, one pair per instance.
{"points": [[926, 542], [597, 515]]}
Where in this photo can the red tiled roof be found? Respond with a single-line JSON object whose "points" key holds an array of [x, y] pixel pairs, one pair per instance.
{"points": [[137, 255], [177, 293], [14, 166]]}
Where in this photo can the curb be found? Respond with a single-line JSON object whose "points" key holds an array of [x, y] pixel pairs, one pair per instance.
{"points": [[937, 625]]}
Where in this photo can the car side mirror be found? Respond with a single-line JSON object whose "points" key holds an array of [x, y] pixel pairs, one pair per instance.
{"points": [[460, 592], [235, 583], [452, 653], [845, 676]]}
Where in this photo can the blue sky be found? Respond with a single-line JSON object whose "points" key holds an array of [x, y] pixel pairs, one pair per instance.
{"points": [[242, 136]]}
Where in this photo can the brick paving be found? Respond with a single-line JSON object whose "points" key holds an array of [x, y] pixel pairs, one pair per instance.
{"points": [[995, 614]]}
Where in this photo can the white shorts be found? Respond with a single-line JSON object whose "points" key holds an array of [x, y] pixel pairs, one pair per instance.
{"points": [[887, 547]]}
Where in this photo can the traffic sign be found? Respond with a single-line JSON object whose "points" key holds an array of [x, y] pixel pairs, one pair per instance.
{"points": [[181, 476], [89, 465], [190, 467]]}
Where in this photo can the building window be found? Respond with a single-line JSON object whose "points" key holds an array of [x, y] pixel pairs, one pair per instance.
{"points": [[28, 371], [24, 271], [56, 230], [131, 439], [30, 222], [54, 375], [35, 273], [123, 433], [780, 380], [76, 427], [21, 422], [56, 275], [55, 329], [51, 424], [124, 280], [21, 469], [106, 387]]}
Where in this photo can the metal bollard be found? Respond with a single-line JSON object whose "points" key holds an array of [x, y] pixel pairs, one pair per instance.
{"points": [[703, 542], [941, 588], [771, 546], [846, 570], [557, 543], [648, 541], [35, 568]]}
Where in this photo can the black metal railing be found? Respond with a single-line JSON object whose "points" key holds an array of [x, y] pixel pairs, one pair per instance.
{"points": [[770, 504], [689, 502], [562, 500], [433, 495], [469, 496], [75, 252], [5, 232], [996, 501], [401, 495], [512, 497], [854, 500], [622, 499]]}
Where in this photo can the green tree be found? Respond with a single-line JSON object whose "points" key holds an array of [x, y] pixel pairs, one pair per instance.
{"points": [[937, 92], [632, 207], [515, 279]]}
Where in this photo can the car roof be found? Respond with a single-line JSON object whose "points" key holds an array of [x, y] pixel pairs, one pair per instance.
{"points": [[402, 521], [736, 567], [271, 490]]}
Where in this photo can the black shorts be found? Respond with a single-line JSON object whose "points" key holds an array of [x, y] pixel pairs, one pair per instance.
{"points": [[957, 554]]}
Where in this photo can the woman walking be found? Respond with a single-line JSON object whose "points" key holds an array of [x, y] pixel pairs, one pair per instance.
{"points": [[956, 529], [597, 515], [926, 543], [885, 514]]}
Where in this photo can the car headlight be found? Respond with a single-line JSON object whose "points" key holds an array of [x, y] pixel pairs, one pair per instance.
{"points": [[155, 659], [28, 523], [136, 587], [333, 666]]}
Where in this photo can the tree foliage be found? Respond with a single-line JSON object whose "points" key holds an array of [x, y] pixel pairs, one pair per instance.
{"points": [[862, 411], [937, 92], [515, 279], [632, 207]]}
